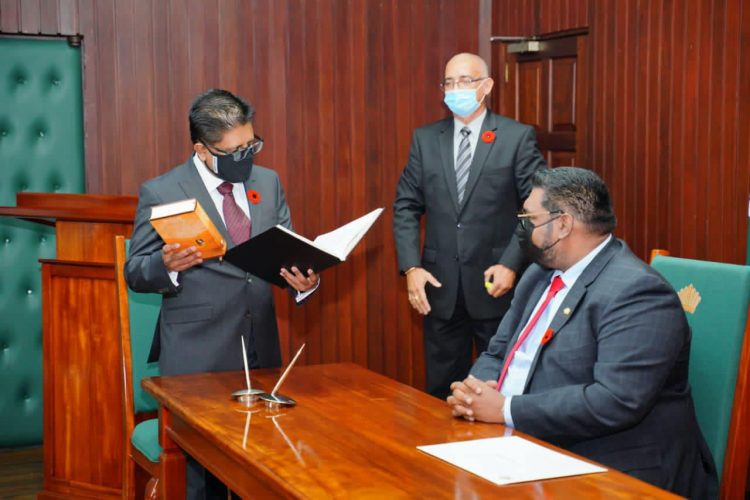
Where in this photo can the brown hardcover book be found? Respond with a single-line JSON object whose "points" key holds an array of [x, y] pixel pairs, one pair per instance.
{"points": [[185, 222]]}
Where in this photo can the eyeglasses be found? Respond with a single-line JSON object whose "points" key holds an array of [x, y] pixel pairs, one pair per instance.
{"points": [[238, 154], [464, 82], [527, 225]]}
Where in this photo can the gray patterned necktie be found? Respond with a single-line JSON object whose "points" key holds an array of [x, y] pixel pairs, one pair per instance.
{"points": [[463, 162]]}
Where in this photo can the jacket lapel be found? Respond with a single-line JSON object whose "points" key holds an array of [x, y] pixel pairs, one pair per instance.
{"points": [[481, 153], [256, 210], [574, 297], [446, 155]]}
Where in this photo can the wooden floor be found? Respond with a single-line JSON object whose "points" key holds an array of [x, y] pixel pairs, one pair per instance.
{"points": [[20, 473]]}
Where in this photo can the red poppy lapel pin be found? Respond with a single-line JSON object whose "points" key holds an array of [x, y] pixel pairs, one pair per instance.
{"points": [[488, 136], [253, 196], [547, 336]]}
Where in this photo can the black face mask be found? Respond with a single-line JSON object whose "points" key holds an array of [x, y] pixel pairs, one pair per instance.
{"points": [[533, 253], [229, 169]]}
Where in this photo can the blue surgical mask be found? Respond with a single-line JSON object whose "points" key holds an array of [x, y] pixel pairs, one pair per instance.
{"points": [[462, 102]]}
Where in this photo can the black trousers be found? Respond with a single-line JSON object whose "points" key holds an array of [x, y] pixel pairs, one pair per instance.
{"points": [[448, 346]]}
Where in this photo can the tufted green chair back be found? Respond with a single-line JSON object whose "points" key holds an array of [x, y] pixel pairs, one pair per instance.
{"points": [[41, 149], [715, 297]]}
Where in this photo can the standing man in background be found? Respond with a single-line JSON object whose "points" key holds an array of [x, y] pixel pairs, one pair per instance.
{"points": [[468, 175]]}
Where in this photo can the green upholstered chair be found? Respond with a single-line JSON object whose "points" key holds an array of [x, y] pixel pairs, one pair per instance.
{"points": [[138, 313], [715, 298]]}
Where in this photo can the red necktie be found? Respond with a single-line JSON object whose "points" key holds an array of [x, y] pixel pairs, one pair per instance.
{"points": [[238, 224], [556, 286]]}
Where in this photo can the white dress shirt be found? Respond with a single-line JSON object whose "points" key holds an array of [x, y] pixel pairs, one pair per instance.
{"points": [[475, 126], [518, 371], [212, 183]]}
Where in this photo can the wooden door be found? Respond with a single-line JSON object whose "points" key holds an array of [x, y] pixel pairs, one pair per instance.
{"points": [[547, 88]]}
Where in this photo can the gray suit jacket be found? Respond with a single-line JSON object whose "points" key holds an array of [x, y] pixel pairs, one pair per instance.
{"points": [[202, 318], [463, 241], [612, 383]]}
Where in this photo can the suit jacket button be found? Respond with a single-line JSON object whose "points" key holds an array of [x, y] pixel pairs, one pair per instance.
{"points": [[249, 280], [458, 225], [455, 257], [248, 315]]}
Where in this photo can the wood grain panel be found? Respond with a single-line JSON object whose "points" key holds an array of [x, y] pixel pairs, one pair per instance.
{"points": [[77, 333], [529, 107], [562, 116], [668, 110], [338, 86]]}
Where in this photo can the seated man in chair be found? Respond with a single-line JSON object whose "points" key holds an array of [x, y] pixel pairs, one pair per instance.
{"points": [[593, 354]]}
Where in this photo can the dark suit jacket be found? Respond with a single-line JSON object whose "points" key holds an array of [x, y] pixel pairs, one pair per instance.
{"points": [[612, 383], [463, 241], [202, 318]]}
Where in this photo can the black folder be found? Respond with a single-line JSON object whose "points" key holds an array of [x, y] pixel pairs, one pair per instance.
{"points": [[266, 253]]}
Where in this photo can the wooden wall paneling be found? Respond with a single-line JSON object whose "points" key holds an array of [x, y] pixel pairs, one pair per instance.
{"points": [[727, 29], [582, 106], [330, 59], [340, 346], [163, 126], [131, 134], [407, 325], [705, 109], [9, 16], [49, 16], [107, 98], [637, 171], [30, 16], [388, 44], [68, 11], [741, 180], [528, 108], [374, 90], [354, 112], [293, 135], [86, 21], [559, 15], [142, 130], [272, 123], [620, 124], [306, 322], [514, 18], [339, 86], [404, 319], [184, 78]]}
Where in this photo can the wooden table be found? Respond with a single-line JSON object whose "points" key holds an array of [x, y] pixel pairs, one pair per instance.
{"points": [[353, 433]]}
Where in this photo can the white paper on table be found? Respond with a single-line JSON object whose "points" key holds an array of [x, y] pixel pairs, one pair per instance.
{"points": [[508, 460]]}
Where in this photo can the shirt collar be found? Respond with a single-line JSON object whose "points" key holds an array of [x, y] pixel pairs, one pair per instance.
{"points": [[474, 125], [210, 180], [570, 276]]}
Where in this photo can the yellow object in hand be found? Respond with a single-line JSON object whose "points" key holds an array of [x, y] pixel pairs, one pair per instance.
{"points": [[488, 284]]}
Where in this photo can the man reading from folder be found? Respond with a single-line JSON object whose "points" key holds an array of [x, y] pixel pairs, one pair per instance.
{"points": [[208, 304], [593, 354]]}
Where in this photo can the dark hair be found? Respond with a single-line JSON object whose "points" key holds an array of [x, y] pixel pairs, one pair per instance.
{"points": [[579, 192], [216, 111]]}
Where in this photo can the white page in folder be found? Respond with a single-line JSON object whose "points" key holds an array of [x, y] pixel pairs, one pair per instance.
{"points": [[340, 242], [508, 460]]}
